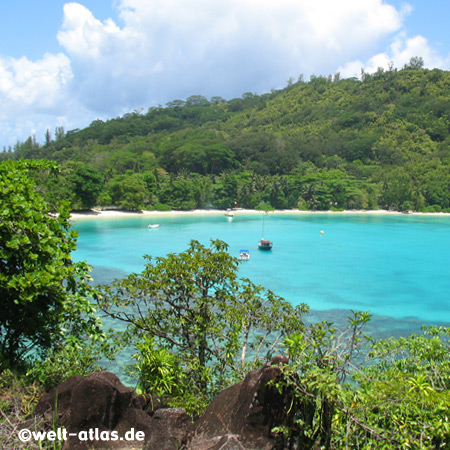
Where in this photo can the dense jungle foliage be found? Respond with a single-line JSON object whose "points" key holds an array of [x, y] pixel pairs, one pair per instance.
{"points": [[330, 143]]}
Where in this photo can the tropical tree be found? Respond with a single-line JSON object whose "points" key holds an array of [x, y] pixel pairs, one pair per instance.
{"points": [[44, 293], [321, 359], [84, 182], [195, 307], [180, 193], [128, 191]]}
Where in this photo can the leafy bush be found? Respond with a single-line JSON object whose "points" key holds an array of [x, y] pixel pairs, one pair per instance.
{"points": [[163, 207], [396, 396], [432, 209], [73, 357], [209, 326], [159, 373], [157, 370]]}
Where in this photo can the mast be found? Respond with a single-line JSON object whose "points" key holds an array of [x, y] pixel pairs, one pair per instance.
{"points": [[262, 232]]}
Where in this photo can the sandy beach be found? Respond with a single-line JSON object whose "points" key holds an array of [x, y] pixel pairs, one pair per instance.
{"points": [[96, 213]]}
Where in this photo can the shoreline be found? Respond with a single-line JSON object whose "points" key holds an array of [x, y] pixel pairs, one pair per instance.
{"points": [[96, 213]]}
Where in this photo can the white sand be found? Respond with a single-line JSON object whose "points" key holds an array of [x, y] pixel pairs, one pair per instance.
{"points": [[95, 214]]}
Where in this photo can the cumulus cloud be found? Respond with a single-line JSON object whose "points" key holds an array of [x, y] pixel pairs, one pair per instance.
{"points": [[24, 83], [31, 92], [82, 35], [400, 53], [167, 49], [160, 50]]}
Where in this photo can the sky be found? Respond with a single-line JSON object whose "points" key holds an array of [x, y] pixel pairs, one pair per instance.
{"points": [[65, 64]]}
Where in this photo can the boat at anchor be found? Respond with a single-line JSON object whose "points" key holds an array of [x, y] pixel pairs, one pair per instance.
{"points": [[264, 244], [244, 255]]}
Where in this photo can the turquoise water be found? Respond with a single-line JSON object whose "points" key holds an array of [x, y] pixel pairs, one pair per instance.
{"points": [[395, 266]]}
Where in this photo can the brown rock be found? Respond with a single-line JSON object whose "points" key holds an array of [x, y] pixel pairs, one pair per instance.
{"points": [[245, 412], [168, 429], [227, 442], [98, 401], [240, 418], [59, 398]]}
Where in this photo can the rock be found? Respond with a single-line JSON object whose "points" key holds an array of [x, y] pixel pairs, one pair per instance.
{"points": [[98, 401], [227, 442], [59, 398], [242, 416], [168, 429]]}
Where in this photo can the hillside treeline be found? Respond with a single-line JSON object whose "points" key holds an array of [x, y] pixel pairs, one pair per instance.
{"points": [[330, 143]]}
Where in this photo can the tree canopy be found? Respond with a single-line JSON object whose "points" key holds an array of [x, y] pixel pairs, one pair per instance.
{"points": [[43, 291], [194, 306]]}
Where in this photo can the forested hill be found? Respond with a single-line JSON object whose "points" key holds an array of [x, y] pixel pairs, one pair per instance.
{"points": [[330, 143]]}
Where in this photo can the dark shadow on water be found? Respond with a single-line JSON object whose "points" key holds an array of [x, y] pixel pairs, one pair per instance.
{"points": [[379, 327], [105, 275]]}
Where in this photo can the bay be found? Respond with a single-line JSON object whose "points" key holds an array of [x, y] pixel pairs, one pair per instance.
{"points": [[395, 266]]}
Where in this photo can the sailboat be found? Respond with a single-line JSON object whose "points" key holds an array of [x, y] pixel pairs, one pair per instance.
{"points": [[264, 244]]}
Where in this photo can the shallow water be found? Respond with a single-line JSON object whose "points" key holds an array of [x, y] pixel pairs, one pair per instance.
{"points": [[397, 267]]}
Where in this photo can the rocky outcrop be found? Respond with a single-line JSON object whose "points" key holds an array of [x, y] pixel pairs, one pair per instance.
{"points": [[99, 402], [243, 416], [168, 430], [240, 418]]}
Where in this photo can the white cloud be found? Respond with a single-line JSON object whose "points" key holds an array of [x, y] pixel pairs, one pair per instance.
{"points": [[83, 36], [403, 49], [167, 49], [24, 83], [30, 93], [400, 52]]}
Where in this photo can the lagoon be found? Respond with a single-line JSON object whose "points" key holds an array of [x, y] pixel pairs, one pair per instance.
{"points": [[395, 266]]}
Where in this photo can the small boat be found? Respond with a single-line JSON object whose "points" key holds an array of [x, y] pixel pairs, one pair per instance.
{"points": [[155, 225], [229, 213], [264, 244], [244, 255]]}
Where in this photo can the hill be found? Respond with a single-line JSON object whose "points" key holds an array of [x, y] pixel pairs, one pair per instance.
{"points": [[379, 142]]}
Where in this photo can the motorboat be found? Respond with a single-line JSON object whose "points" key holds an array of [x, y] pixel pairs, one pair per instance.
{"points": [[155, 225], [244, 255]]}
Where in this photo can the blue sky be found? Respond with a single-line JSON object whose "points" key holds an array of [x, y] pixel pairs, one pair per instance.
{"points": [[29, 27], [69, 63]]}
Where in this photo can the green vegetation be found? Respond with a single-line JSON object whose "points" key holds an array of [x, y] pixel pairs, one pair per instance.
{"points": [[49, 329], [189, 314], [45, 294], [350, 391], [330, 143]]}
